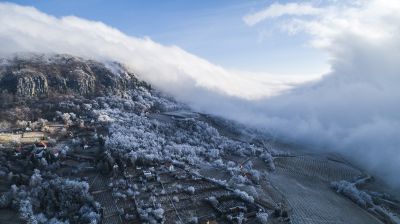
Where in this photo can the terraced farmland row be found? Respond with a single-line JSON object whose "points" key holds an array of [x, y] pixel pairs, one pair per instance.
{"points": [[323, 169]]}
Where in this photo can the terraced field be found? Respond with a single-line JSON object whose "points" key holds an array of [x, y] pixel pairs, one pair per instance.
{"points": [[313, 166], [304, 181]]}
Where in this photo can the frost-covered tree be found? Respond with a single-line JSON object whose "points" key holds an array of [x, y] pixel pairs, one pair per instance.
{"points": [[190, 190], [350, 190], [244, 196], [262, 217], [59, 200]]}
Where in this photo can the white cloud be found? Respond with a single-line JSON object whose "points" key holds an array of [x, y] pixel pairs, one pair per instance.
{"points": [[277, 10], [27, 29], [354, 109]]}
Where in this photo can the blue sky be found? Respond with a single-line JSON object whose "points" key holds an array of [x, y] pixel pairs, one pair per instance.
{"points": [[212, 29]]}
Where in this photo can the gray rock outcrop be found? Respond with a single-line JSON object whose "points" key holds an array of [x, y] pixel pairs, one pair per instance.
{"points": [[41, 76]]}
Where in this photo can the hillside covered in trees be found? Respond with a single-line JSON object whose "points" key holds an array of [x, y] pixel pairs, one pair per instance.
{"points": [[88, 142]]}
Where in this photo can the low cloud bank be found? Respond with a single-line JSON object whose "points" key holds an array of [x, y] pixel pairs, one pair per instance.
{"points": [[355, 109], [25, 29]]}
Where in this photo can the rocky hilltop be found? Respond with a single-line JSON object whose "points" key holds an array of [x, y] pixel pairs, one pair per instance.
{"points": [[38, 76]]}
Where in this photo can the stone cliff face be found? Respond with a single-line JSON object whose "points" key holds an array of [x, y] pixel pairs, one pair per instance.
{"points": [[29, 83], [40, 76]]}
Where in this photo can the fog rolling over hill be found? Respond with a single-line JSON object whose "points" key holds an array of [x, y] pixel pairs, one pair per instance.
{"points": [[135, 89], [87, 142], [354, 109]]}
